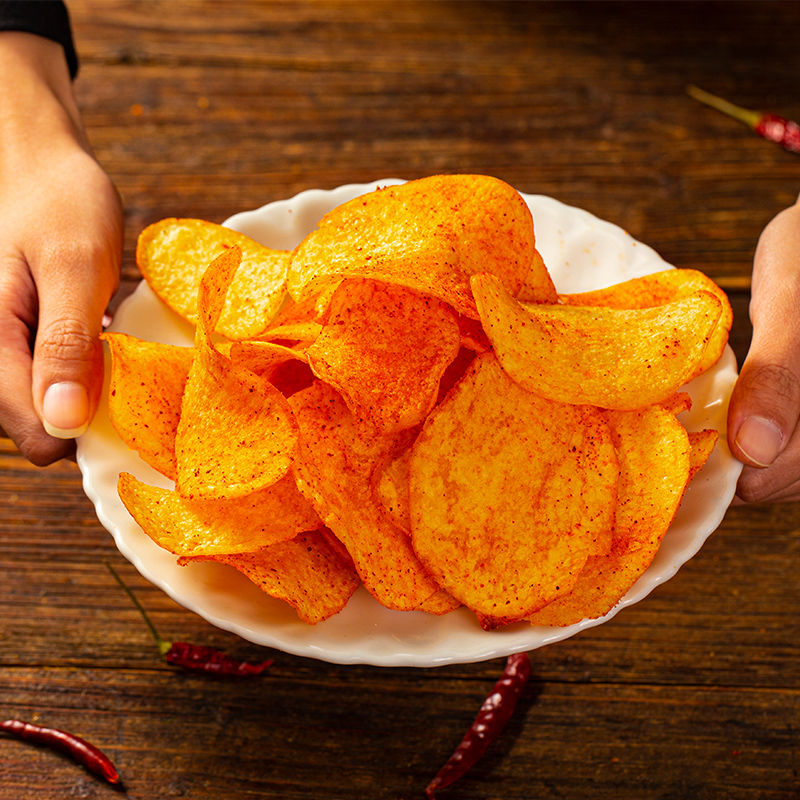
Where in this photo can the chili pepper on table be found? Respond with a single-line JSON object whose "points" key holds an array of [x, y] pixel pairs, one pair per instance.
{"points": [[492, 717], [770, 126], [79, 749], [195, 657]]}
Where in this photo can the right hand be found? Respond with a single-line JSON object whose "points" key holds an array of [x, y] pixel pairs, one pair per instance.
{"points": [[60, 250], [763, 414]]}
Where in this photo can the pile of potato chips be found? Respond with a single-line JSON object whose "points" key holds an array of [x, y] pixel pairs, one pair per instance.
{"points": [[404, 401]]}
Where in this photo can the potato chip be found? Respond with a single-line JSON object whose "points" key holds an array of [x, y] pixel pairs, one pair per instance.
{"points": [[439, 604], [658, 289], [472, 334], [538, 286], [173, 253], [677, 403], [307, 572], [144, 396], [236, 433], [200, 527], [263, 358], [702, 444], [384, 348], [509, 492], [654, 457], [607, 357], [391, 488], [430, 234], [333, 468]]}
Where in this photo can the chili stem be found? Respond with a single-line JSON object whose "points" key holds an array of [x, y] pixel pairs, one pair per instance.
{"points": [[162, 644], [745, 115]]}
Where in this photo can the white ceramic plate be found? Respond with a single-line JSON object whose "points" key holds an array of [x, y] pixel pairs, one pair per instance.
{"points": [[582, 252]]}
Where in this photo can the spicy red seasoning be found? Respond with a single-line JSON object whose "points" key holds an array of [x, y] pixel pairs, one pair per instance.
{"points": [[77, 748], [772, 127], [493, 716]]}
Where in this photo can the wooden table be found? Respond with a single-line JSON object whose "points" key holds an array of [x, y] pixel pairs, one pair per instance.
{"points": [[203, 109]]}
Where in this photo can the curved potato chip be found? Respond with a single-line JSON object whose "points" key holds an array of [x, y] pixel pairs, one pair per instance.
{"points": [[236, 433], [144, 396], [702, 444], [307, 572], [508, 493], [658, 289], [607, 357], [429, 234], [333, 468], [200, 527], [538, 286], [172, 254], [384, 348], [654, 457]]}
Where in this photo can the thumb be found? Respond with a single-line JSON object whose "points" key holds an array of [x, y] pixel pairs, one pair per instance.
{"points": [[765, 404], [67, 365]]}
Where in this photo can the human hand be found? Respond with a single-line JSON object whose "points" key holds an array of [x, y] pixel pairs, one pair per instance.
{"points": [[763, 429], [60, 248]]}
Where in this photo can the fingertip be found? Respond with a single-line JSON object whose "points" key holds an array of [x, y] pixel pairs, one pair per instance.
{"points": [[66, 410], [759, 440]]}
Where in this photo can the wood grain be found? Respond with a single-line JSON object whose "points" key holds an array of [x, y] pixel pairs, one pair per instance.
{"points": [[200, 108]]}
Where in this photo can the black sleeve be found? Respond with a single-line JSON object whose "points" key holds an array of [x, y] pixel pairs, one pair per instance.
{"points": [[48, 18]]}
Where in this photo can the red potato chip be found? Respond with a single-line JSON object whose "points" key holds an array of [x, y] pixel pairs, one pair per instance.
{"points": [[144, 396], [678, 403], [658, 289], [702, 445], [263, 358], [307, 572], [509, 493], [430, 235], [284, 367], [384, 348], [200, 527], [333, 468], [538, 286], [391, 488], [473, 336], [439, 604], [173, 253], [236, 433], [654, 457], [612, 358]]}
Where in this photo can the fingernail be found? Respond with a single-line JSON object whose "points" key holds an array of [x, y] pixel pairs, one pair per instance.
{"points": [[66, 410], [760, 440]]}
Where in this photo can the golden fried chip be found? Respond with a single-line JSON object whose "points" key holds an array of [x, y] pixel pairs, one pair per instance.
{"points": [[538, 286], [236, 433], [658, 289], [439, 604], [678, 403], [473, 336], [384, 348], [144, 396], [430, 234], [199, 527], [391, 488], [654, 458], [173, 253], [307, 572], [702, 444], [333, 468], [607, 357], [509, 493]]}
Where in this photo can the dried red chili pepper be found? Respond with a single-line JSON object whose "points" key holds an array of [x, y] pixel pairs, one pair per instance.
{"points": [[74, 746], [195, 657], [492, 717], [770, 126]]}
